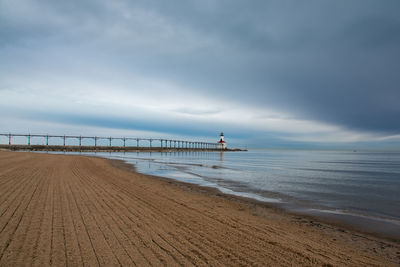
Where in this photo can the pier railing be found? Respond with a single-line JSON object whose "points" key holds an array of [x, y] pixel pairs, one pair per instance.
{"points": [[126, 141]]}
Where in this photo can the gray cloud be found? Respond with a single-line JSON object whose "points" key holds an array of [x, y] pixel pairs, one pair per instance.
{"points": [[325, 61], [328, 61]]}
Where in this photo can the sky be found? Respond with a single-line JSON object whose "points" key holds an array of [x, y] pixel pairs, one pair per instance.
{"points": [[290, 74]]}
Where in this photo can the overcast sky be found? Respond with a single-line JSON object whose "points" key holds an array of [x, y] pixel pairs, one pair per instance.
{"points": [[267, 73]]}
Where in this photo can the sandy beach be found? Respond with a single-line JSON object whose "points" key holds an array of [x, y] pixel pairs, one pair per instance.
{"points": [[64, 210]]}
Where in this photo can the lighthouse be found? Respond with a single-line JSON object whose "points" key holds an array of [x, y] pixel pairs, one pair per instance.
{"points": [[221, 143]]}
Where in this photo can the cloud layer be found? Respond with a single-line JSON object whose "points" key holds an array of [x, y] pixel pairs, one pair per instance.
{"points": [[271, 71]]}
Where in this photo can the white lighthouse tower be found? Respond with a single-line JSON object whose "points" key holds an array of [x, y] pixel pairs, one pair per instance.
{"points": [[221, 143]]}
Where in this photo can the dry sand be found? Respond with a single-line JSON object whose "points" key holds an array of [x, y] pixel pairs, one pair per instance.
{"points": [[73, 210]]}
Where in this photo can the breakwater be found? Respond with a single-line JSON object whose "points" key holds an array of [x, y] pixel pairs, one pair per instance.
{"points": [[105, 148], [39, 142]]}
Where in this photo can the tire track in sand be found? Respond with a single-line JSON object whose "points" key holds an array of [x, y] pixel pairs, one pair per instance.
{"points": [[22, 234], [156, 214], [137, 216], [10, 227], [139, 243]]}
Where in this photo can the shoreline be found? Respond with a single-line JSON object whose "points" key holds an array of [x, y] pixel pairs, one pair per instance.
{"points": [[208, 214], [379, 227], [318, 215]]}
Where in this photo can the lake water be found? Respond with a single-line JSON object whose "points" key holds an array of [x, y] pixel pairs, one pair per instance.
{"points": [[360, 187]]}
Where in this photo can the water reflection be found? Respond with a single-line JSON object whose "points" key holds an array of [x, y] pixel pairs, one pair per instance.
{"points": [[221, 157]]}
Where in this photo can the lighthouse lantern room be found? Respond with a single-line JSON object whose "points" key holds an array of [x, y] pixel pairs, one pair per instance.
{"points": [[221, 143]]}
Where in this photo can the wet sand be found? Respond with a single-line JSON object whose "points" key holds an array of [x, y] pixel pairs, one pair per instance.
{"points": [[73, 210]]}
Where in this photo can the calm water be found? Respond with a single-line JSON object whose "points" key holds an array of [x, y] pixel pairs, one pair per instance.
{"points": [[355, 184]]}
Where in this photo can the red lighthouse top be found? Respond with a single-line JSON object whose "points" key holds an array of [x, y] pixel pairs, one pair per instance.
{"points": [[221, 138]]}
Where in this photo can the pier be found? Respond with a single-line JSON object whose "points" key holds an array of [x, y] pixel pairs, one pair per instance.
{"points": [[48, 142]]}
